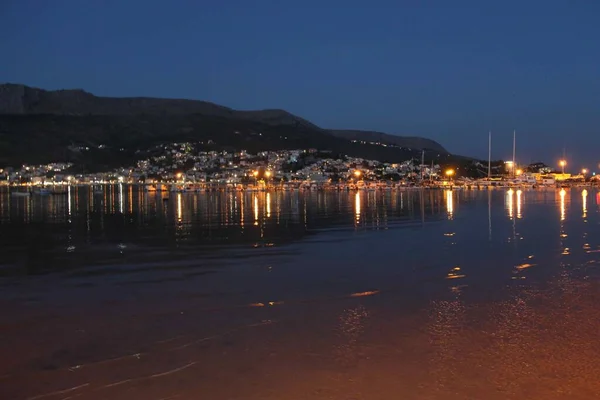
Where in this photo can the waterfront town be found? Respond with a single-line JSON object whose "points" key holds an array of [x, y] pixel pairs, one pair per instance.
{"points": [[178, 167]]}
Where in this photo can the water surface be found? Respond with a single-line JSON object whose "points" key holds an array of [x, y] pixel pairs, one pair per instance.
{"points": [[369, 295]]}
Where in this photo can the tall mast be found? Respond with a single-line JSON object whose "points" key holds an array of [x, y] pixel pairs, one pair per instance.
{"points": [[422, 163], [490, 155], [431, 172], [514, 148]]}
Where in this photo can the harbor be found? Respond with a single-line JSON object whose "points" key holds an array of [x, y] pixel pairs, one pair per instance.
{"points": [[522, 181], [298, 170]]}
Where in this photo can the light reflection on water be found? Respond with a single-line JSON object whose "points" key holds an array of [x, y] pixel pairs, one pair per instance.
{"points": [[449, 203], [357, 207], [563, 194], [351, 327], [96, 219], [495, 299], [509, 203], [519, 201]]}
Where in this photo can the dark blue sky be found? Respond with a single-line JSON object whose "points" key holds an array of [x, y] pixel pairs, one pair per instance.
{"points": [[448, 70]]}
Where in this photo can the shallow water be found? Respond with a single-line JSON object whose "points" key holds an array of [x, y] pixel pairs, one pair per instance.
{"points": [[400, 295]]}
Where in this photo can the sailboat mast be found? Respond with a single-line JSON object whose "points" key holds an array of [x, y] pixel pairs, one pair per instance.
{"points": [[422, 163], [514, 148], [431, 172], [490, 155]]}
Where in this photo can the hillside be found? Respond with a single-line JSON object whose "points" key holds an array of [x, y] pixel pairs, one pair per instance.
{"points": [[20, 99], [38, 126], [412, 142]]}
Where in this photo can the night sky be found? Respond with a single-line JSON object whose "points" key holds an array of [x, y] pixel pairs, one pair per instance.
{"points": [[448, 70]]}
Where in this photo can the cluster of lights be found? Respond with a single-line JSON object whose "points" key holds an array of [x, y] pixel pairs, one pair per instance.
{"points": [[268, 174], [563, 164]]}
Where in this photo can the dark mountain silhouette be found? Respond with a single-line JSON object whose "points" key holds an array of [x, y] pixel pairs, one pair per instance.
{"points": [[413, 142], [20, 99], [39, 126]]}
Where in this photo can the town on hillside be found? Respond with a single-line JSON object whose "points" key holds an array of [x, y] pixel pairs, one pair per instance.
{"points": [[179, 167]]}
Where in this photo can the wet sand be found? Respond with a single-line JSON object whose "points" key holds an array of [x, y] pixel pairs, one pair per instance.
{"points": [[537, 344]]}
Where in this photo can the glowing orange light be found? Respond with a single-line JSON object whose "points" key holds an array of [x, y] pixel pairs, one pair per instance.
{"points": [[363, 294]]}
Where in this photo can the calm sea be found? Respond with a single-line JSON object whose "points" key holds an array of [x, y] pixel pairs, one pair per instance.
{"points": [[415, 294]]}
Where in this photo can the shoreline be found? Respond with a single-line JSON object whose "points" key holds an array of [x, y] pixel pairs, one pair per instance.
{"points": [[291, 187]]}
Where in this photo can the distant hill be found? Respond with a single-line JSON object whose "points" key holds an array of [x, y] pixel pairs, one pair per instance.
{"points": [[21, 99], [413, 142], [38, 126]]}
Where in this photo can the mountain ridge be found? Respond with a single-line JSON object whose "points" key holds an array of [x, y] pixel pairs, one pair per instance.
{"points": [[381, 137], [80, 102], [38, 125], [22, 99]]}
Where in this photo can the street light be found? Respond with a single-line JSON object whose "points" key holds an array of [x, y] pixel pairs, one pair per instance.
{"points": [[519, 172], [449, 173], [562, 164], [584, 171], [357, 173], [267, 174], [510, 166]]}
